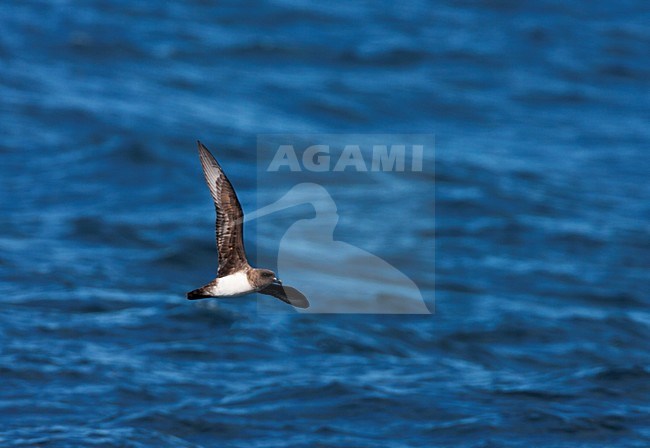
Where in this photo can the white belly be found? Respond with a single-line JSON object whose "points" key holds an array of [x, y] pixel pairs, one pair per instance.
{"points": [[233, 285]]}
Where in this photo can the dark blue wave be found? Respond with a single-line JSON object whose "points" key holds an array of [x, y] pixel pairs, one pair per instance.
{"points": [[527, 231]]}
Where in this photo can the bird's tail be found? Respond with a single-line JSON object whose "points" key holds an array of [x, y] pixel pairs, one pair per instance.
{"points": [[200, 293]]}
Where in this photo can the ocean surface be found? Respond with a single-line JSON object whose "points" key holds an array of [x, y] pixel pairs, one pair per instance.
{"points": [[527, 230]]}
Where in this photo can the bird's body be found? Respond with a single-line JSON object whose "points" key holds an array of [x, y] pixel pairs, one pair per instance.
{"points": [[233, 285], [235, 276]]}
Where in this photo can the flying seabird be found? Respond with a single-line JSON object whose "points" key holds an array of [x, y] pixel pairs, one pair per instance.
{"points": [[235, 277]]}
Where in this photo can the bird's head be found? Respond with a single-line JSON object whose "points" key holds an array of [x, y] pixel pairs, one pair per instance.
{"points": [[261, 278]]}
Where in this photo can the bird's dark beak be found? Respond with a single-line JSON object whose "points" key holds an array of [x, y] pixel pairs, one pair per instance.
{"points": [[277, 280]]}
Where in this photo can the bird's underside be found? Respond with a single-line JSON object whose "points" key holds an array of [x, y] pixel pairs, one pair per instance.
{"points": [[235, 277]]}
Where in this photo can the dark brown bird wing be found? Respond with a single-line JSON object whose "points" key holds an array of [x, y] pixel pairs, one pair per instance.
{"points": [[230, 218], [287, 294]]}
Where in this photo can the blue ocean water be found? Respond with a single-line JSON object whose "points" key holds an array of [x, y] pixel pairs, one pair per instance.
{"points": [[536, 259]]}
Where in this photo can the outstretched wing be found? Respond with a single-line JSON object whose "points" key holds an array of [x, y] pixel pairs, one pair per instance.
{"points": [[287, 294], [230, 233]]}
